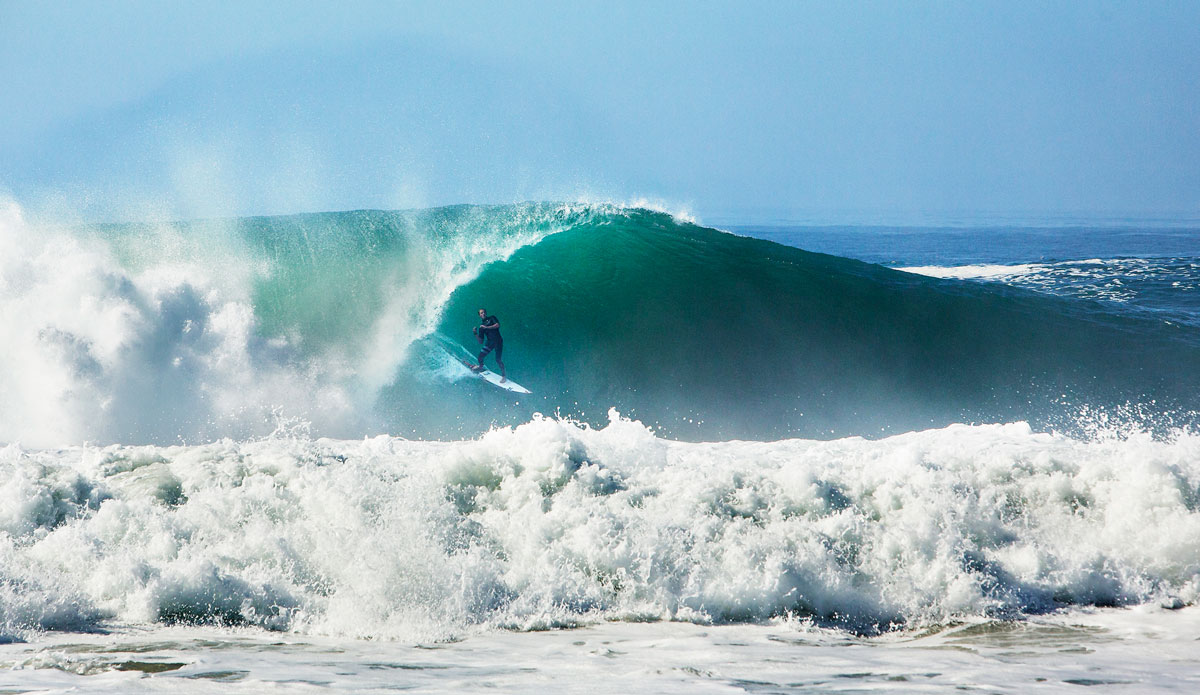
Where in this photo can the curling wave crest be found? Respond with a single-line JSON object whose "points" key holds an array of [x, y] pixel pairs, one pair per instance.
{"points": [[192, 331]]}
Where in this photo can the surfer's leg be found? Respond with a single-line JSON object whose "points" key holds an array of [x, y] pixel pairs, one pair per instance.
{"points": [[499, 354], [484, 353]]}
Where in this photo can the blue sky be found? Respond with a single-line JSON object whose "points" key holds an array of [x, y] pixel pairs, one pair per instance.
{"points": [[750, 111]]}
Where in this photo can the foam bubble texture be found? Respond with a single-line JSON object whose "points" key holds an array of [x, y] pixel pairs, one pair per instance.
{"points": [[554, 524]]}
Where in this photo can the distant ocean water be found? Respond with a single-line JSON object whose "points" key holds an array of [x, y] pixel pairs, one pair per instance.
{"points": [[825, 459], [1146, 268]]}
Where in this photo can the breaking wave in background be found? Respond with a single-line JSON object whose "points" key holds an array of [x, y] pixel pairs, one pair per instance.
{"points": [[188, 332]]}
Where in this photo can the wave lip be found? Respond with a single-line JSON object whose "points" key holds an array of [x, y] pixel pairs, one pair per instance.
{"points": [[554, 524]]}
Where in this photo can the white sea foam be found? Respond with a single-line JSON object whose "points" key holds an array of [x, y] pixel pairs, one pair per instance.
{"points": [[93, 350], [976, 272], [556, 524]]}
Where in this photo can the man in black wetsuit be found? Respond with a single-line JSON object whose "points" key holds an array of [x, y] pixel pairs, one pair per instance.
{"points": [[488, 333]]}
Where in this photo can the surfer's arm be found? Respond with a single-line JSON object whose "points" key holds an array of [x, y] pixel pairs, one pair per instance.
{"points": [[491, 326]]}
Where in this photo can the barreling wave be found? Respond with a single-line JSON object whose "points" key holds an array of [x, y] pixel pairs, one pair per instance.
{"points": [[712, 335], [152, 333]]}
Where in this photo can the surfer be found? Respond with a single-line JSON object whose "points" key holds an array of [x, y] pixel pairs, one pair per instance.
{"points": [[488, 333]]}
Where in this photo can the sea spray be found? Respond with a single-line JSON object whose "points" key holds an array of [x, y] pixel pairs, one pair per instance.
{"points": [[96, 350]]}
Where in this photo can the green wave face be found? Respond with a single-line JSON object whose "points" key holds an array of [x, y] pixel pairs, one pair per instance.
{"points": [[698, 333], [706, 334]]}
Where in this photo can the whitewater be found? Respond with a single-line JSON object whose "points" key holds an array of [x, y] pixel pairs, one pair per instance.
{"points": [[235, 457]]}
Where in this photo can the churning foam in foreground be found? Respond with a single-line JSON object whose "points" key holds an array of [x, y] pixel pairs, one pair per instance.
{"points": [[552, 523]]}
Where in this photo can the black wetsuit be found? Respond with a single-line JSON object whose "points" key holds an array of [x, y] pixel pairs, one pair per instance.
{"points": [[491, 338]]}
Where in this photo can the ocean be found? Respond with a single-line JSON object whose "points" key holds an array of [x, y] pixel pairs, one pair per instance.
{"points": [[242, 454]]}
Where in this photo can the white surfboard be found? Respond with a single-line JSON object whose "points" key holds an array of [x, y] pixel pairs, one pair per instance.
{"points": [[494, 378]]}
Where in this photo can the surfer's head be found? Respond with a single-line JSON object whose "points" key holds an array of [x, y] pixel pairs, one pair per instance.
{"points": [[483, 313]]}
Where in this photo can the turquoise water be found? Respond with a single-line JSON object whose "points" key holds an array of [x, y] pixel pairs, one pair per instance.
{"points": [[228, 327]]}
